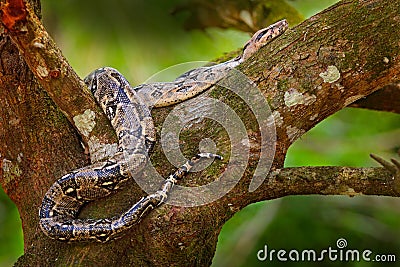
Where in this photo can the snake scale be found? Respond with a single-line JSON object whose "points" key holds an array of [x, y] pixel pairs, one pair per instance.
{"points": [[128, 109]]}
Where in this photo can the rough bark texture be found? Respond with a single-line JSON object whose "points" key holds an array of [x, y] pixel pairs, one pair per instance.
{"points": [[319, 67]]}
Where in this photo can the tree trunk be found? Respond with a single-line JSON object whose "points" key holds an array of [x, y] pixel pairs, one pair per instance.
{"points": [[335, 58]]}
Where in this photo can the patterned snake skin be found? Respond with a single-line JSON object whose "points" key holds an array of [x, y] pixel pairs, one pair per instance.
{"points": [[128, 110]]}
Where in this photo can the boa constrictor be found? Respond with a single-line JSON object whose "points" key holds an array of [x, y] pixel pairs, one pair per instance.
{"points": [[128, 110]]}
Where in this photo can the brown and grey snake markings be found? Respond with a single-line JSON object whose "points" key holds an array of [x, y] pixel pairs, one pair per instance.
{"points": [[128, 110]]}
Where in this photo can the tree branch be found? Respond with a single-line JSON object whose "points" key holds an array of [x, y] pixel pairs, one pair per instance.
{"points": [[57, 77], [386, 99], [311, 72], [325, 64], [331, 181]]}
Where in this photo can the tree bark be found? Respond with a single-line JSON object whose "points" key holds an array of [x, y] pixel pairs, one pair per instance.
{"points": [[317, 68]]}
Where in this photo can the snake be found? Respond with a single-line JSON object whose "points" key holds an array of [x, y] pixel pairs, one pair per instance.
{"points": [[128, 109]]}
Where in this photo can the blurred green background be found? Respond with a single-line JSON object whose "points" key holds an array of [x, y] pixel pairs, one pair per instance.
{"points": [[141, 38]]}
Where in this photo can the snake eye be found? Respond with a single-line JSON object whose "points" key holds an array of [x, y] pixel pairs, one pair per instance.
{"points": [[91, 82], [261, 34]]}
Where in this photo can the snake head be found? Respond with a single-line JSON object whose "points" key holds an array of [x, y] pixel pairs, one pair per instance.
{"points": [[262, 37], [106, 76], [91, 81]]}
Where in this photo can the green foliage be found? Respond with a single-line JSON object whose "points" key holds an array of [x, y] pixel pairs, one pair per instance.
{"points": [[316, 222], [310, 7], [347, 138], [11, 239], [141, 38], [247, 16], [312, 222], [137, 37]]}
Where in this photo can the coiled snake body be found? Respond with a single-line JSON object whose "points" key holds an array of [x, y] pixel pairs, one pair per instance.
{"points": [[128, 110]]}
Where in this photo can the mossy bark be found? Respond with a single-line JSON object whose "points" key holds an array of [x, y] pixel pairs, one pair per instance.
{"points": [[343, 54]]}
